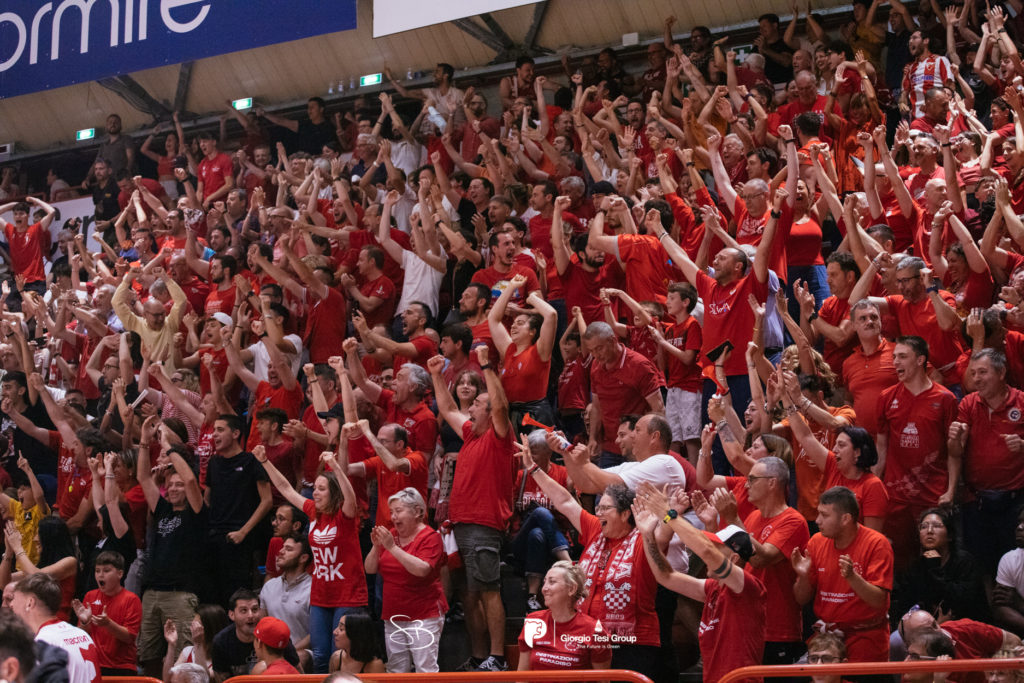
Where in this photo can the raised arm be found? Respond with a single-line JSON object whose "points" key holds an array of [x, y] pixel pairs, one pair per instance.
{"points": [[446, 406]]}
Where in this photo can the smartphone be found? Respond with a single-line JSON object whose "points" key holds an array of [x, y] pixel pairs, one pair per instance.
{"points": [[716, 352]]}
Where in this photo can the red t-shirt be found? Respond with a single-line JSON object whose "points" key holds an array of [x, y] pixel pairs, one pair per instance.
{"points": [[727, 315], [384, 289], [360, 238], [574, 385], [288, 400], [623, 390], [690, 233], [834, 311], [972, 640], [915, 465], [648, 268], [325, 326], [866, 628], [73, 482], [338, 578], [732, 626], [583, 287], [872, 496], [27, 250], [279, 668], [988, 463], [685, 336], [390, 483], [406, 596], [803, 248], [867, 376], [785, 531], [498, 281], [482, 489], [524, 375], [944, 346], [125, 610], [904, 228], [421, 424], [605, 606], [574, 644], [214, 172], [220, 301]]}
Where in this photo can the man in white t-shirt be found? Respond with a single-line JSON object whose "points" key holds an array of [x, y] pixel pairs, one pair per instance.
{"points": [[37, 600], [1009, 588], [275, 316]]}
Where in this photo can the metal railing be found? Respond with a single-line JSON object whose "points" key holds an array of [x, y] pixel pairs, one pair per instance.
{"points": [[869, 668], [463, 677]]}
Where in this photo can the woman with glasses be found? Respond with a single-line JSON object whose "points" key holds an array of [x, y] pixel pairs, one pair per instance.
{"points": [[942, 578], [620, 583]]}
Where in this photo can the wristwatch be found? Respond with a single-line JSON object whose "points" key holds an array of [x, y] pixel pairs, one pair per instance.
{"points": [[669, 516]]}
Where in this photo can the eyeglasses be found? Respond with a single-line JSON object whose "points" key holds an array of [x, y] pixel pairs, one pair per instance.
{"points": [[753, 477], [928, 526], [906, 280], [822, 659], [605, 508], [914, 657]]}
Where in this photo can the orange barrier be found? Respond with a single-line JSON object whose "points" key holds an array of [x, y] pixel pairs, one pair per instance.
{"points": [[866, 668], [129, 679], [459, 677]]}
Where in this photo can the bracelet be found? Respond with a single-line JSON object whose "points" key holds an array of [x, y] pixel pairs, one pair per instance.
{"points": [[20, 553], [932, 289], [533, 469], [690, 164], [110, 476], [776, 214], [805, 404], [1001, 30], [310, 381], [790, 141], [947, 144], [719, 426], [812, 317], [263, 461], [660, 237], [791, 410], [485, 366]]}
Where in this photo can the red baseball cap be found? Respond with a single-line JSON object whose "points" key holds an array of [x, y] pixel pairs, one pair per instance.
{"points": [[273, 633]]}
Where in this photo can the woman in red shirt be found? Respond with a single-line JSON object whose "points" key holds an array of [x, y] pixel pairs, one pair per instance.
{"points": [[525, 352], [849, 465], [339, 585], [560, 637], [409, 560]]}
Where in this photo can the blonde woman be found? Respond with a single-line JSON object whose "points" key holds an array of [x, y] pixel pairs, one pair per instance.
{"points": [[561, 637]]}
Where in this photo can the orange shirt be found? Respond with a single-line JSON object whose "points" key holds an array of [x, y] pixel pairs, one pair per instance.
{"points": [[866, 377]]}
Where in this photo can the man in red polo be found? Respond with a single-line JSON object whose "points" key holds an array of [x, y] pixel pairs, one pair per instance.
{"points": [[395, 465]]}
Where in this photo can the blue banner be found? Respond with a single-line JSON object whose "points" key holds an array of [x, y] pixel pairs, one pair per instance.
{"points": [[46, 45]]}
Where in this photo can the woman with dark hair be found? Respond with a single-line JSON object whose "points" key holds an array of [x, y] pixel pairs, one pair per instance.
{"points": [[334, 538], [961, 267], [57, 558], [468, 385], [525, 352], [359, 649], [621, 584], [849, 464], [209, 620], [943, 578]]}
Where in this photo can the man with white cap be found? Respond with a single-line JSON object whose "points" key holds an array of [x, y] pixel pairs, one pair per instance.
{"points": [[732, 624]]}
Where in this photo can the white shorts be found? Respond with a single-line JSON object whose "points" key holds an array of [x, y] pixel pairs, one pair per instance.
{"points": [[682, 410]]}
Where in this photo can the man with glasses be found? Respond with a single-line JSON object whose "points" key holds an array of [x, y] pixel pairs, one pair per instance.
{"points": [[776, 530], [921, 309], [826, 648], [970, 639], [156, 326], [475, 107]]}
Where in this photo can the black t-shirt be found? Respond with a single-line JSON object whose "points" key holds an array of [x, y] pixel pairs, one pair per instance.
{"points": [[105, 197], [233, 493], [235, 658], [39, 456], [778, 73], [123, 546], [175, 548], [311, 137]]}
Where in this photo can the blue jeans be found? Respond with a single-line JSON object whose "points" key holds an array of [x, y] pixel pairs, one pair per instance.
{"points": [[739, 390], [537, 539], [322, 622]]}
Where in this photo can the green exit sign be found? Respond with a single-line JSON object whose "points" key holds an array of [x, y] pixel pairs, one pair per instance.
{"points": [[242, 104], [85, 134], [369, 79]]}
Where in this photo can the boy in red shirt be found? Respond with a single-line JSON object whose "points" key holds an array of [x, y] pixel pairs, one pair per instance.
{"points": [[27, 244], [272, 637], [111, 614]]}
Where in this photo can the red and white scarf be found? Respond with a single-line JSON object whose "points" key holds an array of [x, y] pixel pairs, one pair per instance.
{"points": [[618, 572]]}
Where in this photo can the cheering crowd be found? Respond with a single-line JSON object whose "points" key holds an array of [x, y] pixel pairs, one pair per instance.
{"points": [[720, 360]]}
